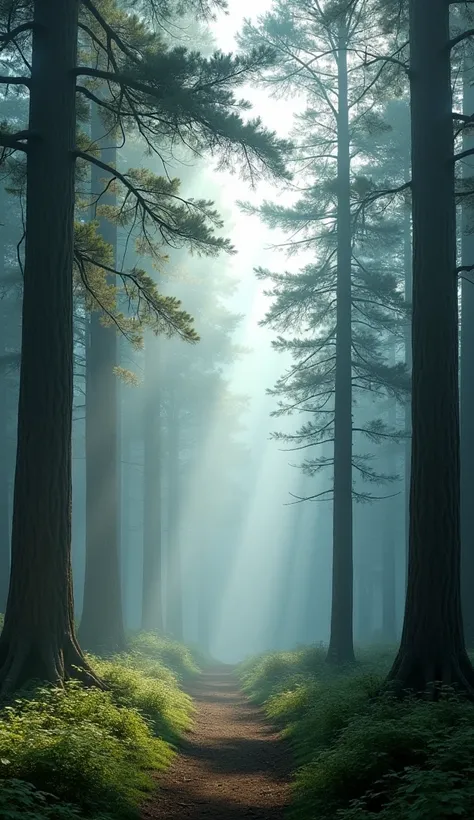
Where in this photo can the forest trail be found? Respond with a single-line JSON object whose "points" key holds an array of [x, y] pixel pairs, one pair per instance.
{"points": [[231, 765]]}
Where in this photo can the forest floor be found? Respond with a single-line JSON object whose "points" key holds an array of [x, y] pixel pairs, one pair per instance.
{"points": [[231, 765]]}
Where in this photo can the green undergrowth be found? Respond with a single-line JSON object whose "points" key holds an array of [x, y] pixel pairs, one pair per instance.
{"points": [[360, 755], [84, 753], [180, 659]]}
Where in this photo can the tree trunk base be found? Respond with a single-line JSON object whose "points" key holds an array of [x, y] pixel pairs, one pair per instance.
{"points": [[414, 675], [105, 648], [338, 657], [24, 661]]}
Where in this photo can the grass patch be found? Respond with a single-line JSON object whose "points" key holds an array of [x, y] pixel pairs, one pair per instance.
{"points": [[82, 753], [170, 654], [359, 755]]}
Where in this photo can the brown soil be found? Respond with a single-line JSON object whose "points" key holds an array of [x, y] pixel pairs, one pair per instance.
{"points": [[231, 765]]}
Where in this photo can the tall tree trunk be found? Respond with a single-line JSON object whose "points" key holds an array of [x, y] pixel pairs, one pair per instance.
{"points": [[4, 461], [432, 645], [174, 575], [283, 599], [4, 487], [152, 614], [390, 511], [467, 379], [389, 610], [38, 639], [205, 612], [407, 266], [101, 628], [365, 603], [125, 505], [341, 649], [205, 604]]}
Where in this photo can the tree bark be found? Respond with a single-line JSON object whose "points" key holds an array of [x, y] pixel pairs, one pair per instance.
{"points": [[341, 649], [4, 461], [432, 646], [407, 266], [101, 628], [152, 613], [467, 379], [4, 489], [390, 510], [38, 639], [125, 523]]}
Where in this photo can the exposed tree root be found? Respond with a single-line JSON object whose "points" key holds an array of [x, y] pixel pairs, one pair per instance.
{"points": [[27, 661], [420, 676]]}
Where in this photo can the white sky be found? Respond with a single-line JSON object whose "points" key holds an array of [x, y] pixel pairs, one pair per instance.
{"points": [[249, 236]]}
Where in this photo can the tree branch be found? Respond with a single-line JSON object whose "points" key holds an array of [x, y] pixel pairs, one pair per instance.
{"points": [[147, 209], [462, 154], [110, 32], [8, 36], [463, 117], [299, 498], [14, 140], [373, 58], [465, 35], [6, 80], [122, 80]]}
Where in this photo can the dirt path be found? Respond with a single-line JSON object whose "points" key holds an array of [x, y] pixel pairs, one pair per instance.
{"points": [[231, 766]]}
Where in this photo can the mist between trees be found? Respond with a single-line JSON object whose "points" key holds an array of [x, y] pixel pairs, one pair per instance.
{"points": [[331, 503]]}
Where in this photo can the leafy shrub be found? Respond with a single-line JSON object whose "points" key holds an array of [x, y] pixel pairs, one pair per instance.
{"points": [[79, 745], [441, 785], [362, 755], [21, 801], [171, 654], [74, 752], [143, 684]]}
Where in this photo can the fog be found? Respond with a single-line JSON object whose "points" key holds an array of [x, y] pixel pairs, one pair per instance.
{"points": [[245, 562]]}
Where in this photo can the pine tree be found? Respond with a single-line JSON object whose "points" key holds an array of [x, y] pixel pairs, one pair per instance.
{"points": [[432, 648], [340, 301], [101, 627], [152, 593], [158, 93], [467, 346]]}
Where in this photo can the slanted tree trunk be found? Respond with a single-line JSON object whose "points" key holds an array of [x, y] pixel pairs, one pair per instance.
{"points": [[467, 379], [101, 629], [341, 648], [174, 574], [432, 645], [38, 639], [152, 614]]}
